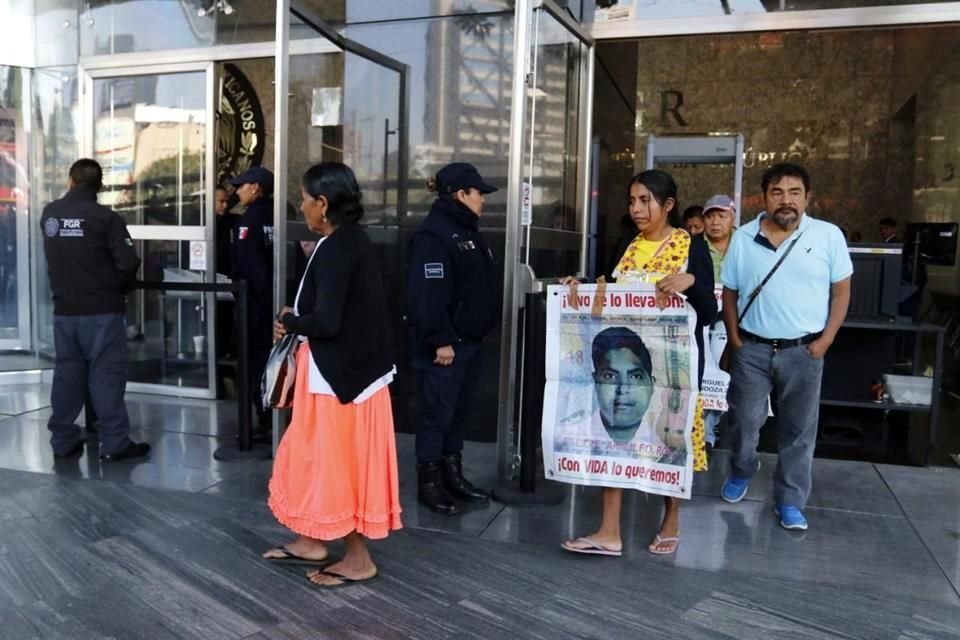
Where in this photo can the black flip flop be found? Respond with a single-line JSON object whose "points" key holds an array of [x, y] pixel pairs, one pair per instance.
{"points": [[290, 557], [346, 581]]}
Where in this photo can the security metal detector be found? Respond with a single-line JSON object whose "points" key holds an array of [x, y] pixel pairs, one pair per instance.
{"points": [[700, 150]]}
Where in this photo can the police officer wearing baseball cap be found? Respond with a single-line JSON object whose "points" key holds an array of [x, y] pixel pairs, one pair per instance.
{"points": [[451, 308], [253, 262]]}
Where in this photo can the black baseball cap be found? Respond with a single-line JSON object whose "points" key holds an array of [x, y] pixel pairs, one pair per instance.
{"points": [[461, 175], [255, 175]]}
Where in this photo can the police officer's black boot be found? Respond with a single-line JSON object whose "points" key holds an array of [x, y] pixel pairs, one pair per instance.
{"points": [[430, 490], [456, 484]]}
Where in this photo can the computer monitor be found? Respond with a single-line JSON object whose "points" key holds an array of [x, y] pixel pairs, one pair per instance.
{"points": [[875, 285], [938, 242]]}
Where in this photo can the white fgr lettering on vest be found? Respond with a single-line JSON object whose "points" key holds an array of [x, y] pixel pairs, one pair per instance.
{"points": [[71, 228], [433, 271], [268, 232]]}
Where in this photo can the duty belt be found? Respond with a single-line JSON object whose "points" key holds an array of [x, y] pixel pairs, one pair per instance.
{"points": [[781, 343]]}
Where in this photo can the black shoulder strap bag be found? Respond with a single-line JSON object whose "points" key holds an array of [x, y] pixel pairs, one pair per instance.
{"points": [[756, 291], [725, 356]]}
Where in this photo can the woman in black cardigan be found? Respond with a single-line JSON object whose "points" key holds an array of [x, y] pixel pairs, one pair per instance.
{"points": [[335, 473]]}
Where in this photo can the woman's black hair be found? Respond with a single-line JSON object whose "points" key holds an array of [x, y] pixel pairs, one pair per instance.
{"points": [[335, 182], [661, 186]]}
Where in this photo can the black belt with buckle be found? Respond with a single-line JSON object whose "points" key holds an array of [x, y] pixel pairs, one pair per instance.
{"points": [[781, 343]]}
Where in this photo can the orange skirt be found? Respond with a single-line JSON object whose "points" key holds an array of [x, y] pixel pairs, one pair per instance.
{"points": [[335, 471]]}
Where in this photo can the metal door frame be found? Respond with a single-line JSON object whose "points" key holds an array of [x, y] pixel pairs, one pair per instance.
{"points": [[820, 19], [517, 276], [22, 236]]}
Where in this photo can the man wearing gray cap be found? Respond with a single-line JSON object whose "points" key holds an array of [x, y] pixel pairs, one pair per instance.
{"points": [[253, 262], [718, 214]]}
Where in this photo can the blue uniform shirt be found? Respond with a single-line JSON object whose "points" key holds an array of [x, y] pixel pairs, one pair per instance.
{"points": [[796, 300], [253, 254], [451, 280]]}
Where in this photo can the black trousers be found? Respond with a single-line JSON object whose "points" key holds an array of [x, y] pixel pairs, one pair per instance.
{"points": [[259, 343], [91, 359], [446, 396]]}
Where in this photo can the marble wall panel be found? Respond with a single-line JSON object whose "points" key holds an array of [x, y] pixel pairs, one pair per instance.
{"points": [[831, 100], [871, 100], [936, 179], [760, 57], [805, 55], [834, 55], [762, 99], [871, 52], [701, 61], [667, 62], [738, 99], [872, 114], [806, 99]]}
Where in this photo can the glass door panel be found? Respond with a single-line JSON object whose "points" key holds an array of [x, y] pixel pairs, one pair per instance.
{"points": [[150, 132], [554, 148], [168, 329], [14, 221], [372, 122], [359, 115], [547, 232]]}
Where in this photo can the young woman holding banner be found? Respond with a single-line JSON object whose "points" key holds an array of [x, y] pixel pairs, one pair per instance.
{"points": [[666, 255], [335, 472]]}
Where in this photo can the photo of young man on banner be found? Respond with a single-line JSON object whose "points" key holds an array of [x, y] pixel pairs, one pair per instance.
{"points": [[713, 390], [619, 402]]}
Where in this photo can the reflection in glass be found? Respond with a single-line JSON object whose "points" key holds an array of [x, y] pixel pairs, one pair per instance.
{"points": [[55, 102], [551, 149], [353, 12], [125, 26], [168, 329], [459, 109], [459, 104], [371, 133], [627, 10], [150, 138], [14, 189]]}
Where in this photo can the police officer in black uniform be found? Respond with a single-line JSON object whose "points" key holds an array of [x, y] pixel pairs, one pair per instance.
{"points": [[92, 266], [452, 306], [253, 262]]}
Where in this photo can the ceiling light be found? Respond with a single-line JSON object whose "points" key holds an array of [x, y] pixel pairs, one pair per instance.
{"points": [[223, 5]]}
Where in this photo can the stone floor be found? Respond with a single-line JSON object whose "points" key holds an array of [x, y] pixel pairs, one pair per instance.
{"points": [[168, 548]]}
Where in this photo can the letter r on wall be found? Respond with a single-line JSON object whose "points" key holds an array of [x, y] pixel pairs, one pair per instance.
{"points": [[668, 106]]}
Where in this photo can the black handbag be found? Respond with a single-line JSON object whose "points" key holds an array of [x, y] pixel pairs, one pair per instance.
{"points": [[280, 374]]}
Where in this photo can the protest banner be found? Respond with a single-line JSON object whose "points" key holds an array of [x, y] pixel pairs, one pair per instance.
{"points": [[713, 389], [620, 395]]}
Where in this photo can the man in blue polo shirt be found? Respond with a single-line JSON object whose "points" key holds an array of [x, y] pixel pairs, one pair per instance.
{"points": [[780, 339]]}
